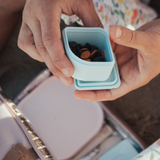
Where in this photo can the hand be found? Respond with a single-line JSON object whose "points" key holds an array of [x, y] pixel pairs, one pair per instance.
{"points": [[40, 35], [138, 57]]}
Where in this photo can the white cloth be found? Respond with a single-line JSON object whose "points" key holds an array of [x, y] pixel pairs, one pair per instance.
{"points": [[10, 132]]}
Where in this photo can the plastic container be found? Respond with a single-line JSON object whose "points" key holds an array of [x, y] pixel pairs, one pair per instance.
{"points": [[112, 82], [89, 71], [123, 151]]}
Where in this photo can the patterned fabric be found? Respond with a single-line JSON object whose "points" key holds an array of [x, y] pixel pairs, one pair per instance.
{"points": [[151, 153], [120, 12]]}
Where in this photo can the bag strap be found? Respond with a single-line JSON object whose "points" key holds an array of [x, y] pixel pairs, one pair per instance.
{"points": [[23, 122]]}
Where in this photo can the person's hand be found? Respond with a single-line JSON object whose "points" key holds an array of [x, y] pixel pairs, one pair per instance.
{"points": [[40, 35], [138, 58]]}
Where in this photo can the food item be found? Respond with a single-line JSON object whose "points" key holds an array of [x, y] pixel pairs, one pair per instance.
{"points": [[102, 53], [85, 54], [89, 60], [88, 52], [93, 53], [98, 59], [72, 44], [84, 49]]}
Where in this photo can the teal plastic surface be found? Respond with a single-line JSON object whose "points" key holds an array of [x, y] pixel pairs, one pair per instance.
{"points": [[84, 70], [112, 82], [123, 151]]}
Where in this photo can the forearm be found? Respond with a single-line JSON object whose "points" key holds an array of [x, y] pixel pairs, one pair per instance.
{"points": [[11, 6], [10, 14]]}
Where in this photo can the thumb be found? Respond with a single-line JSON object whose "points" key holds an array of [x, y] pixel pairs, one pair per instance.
{"points": [[129, 38], [87, 13]]}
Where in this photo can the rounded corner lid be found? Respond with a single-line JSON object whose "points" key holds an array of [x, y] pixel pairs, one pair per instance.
{"points": [[100, 85], [64, 123]]}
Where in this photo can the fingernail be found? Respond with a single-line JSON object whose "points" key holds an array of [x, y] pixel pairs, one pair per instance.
{"points": [[65, 72], [118, 32], [64, 80]]}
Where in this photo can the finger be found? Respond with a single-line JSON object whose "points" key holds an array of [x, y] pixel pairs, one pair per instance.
{"points": [[113, 45], [45, 55], [71, 81], [118, 49], [85, 10], [26, 42], [126, 37], [51, 37], [149, 25], [103, 95], [66, 80], [31, 48]]}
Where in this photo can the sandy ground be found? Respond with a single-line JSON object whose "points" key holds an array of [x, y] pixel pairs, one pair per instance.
{"points": [[140, 108]]}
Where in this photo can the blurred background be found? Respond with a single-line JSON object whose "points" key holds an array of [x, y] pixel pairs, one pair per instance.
{"points": [[139, 108]]}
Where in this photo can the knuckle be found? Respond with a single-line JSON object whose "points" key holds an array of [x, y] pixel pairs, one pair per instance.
{"points": [[131, 37], [54, 71], [40, 48], [41, 10], [22, 43], [27, 13], [57, 61], [110, 96], [47, 40], [97, 23]]}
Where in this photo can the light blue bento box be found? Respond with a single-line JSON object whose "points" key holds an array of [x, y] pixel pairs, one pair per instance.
{"points": [[92, 75]]}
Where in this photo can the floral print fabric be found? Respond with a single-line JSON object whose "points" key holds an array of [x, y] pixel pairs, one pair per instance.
{"points": [[151, 153], [120, 12]]}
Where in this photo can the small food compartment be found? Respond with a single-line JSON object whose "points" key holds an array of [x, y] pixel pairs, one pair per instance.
{"points": [[89, 70], [88, 52]]}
